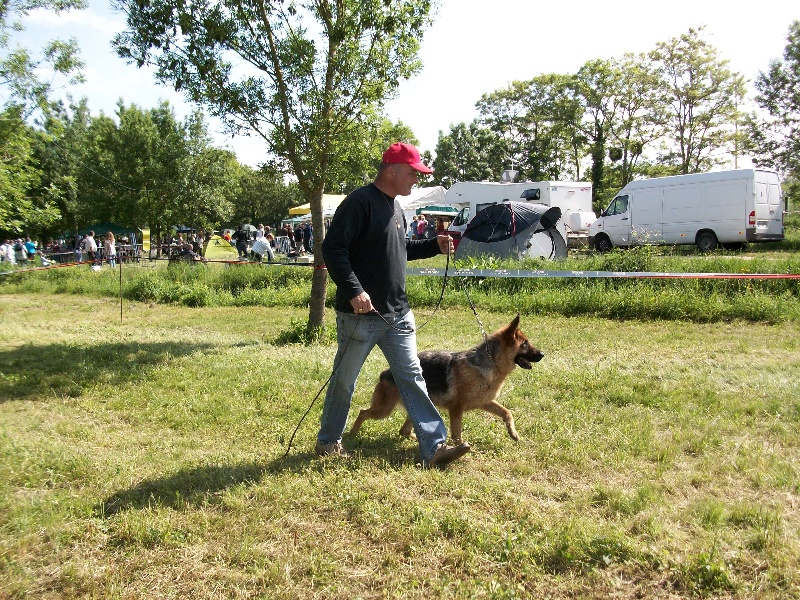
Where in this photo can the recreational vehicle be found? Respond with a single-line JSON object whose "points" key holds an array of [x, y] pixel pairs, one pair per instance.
{"points": [[574, 198]]}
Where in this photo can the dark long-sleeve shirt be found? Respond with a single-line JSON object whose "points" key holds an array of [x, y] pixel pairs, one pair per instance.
{"points": [[366, 249]]}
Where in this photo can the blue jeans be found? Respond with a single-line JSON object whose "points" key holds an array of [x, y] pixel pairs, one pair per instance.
{"points": [[357, 336]]}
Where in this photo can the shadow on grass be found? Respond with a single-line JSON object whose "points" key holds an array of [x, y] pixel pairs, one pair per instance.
{"points": [[64, 370], [198, 485], [191, 485]]}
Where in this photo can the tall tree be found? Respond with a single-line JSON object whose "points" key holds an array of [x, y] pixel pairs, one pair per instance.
{"points": [[703, 95], [596, 87], [21, 209], [263, 196], [300, 74], [468, 153], [359, 154], [536, 119], [776, 134], [26, 77], [641, 115], [62, 153]]}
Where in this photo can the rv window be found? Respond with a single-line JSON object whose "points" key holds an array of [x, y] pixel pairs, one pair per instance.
{"points": [[480, 207], [531, 194], [618, 206]]}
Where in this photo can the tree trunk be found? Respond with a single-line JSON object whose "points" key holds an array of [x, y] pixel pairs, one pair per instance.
{"points": [[319, 280]]}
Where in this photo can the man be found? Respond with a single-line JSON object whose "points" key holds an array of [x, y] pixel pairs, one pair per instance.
{"points": [[240, 237], [365, 251], [30, 248], [260, 248], [89, 246]]}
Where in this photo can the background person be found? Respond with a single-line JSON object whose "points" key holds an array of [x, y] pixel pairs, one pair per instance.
{"points": [[260, 248], [30, 249], [110, 247], [89, 248], [240, 236], [422, 226], [365, 251]]}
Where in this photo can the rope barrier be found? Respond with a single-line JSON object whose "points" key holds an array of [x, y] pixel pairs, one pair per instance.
{"points": [[178, 260], [523, 273]]}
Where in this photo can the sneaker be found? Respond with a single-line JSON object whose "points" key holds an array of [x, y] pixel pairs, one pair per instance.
{"points": [[445, 454], [333, 449]]}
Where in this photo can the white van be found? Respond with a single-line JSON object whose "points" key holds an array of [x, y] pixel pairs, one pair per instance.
{"points": [[706, 209], [574, 198]]}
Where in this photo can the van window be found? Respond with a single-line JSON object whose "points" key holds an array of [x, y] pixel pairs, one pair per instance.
{"points": [[618, 206], [462, 218]]}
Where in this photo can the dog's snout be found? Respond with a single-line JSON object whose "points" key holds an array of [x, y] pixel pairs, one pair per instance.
{"points": [[538, 355]]}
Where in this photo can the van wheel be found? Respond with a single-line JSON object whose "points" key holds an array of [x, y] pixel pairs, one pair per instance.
{"points": [[602, 243], [706, 241]]}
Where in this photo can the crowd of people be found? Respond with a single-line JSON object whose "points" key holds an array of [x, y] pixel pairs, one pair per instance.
{"points": [[421, 228], [18, 251], [261, 245]]}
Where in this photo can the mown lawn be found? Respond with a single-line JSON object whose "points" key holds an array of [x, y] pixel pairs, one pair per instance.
{"points": [[146, 458]]}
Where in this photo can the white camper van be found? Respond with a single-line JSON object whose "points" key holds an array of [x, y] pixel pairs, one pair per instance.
{"points": [[705, 209], [574, 198]]}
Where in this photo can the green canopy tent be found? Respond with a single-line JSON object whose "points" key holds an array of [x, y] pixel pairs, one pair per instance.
{"points": [[101, 229], [438, 210]]}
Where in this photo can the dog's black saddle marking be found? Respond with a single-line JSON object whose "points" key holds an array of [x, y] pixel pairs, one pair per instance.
{"points": [[434, 371]]}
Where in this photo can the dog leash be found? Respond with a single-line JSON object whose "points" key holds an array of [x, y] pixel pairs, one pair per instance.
{"points": [[393, 326], [435, 308], [324, 385]]}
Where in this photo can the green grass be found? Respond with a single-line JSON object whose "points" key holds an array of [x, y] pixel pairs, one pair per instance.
{"points": [[771, 301], [145, 457]]}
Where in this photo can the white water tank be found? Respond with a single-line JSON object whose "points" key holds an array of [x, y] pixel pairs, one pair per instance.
{"points": [[579, 221]]}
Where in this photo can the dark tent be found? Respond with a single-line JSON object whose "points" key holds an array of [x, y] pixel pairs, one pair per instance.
{"points": [[102, 228], [514, 230]]}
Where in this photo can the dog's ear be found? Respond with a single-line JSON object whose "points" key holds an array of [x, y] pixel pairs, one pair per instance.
{"points": [[513, 326]]}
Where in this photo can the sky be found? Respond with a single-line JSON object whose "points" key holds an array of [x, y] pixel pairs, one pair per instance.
{"points": [[471, 49]]}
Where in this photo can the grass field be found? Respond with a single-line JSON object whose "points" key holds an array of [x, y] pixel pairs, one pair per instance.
{"points": [[145, 458]]}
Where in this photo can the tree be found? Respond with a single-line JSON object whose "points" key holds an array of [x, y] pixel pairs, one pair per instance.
{"points": [[148, 169], [537, 120], [21, 72], [641, 115], [303, 75], [24, 88], [703, 95], [776, 136], [61, 154], [20, 210], [263, 196], [596, 87], [468, 153], [359, 153]]}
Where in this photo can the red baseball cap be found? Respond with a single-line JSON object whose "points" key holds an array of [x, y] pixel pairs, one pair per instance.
{"points": [[400, 153]]}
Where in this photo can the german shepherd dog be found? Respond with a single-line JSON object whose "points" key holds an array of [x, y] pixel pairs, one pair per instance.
{"points": [[461, 381]]}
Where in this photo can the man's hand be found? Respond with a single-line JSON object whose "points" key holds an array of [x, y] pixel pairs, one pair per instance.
{"points": [[362, 304], [445, 244]]}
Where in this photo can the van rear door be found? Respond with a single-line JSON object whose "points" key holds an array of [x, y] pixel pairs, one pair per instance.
{"points": [[769, 210]]}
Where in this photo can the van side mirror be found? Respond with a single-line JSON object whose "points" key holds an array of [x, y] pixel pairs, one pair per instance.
{"points": [[603, 213]]}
